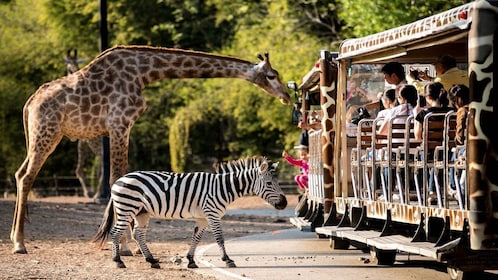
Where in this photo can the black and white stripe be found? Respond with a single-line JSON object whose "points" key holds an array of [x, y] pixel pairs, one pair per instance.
{"points": [[199, 195]]}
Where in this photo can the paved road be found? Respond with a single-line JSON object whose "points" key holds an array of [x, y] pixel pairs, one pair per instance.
{"points": [[292, 254]]}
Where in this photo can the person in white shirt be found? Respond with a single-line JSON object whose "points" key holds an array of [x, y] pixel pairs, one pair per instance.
{"points": [[407, 100], [388, 99]]}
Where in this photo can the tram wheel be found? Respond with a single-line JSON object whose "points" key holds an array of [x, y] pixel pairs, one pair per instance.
{"points": [[383, 257], [457, 274], [339, 244]]}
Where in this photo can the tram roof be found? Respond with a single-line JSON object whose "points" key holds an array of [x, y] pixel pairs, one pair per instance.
{"points": [[420, 41]]}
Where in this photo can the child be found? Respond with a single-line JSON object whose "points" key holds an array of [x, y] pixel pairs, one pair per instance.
{"points": [[302, 162]]}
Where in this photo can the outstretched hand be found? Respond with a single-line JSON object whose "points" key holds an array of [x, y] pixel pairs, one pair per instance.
{"points": [[284, 153]]}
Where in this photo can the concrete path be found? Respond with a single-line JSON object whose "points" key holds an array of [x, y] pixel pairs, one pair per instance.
{"points": [[292, 254]]}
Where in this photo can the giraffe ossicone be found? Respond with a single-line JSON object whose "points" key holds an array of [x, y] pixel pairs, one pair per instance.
{"points": [[104, 98]]}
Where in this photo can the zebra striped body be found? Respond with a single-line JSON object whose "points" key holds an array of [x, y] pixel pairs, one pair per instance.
{"points": [[199, 195]]}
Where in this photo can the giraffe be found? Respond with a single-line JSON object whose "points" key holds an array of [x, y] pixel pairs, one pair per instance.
{"points": [[84, 145], [104, 98]]}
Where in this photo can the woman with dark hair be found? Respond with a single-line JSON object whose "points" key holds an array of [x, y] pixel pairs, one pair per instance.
{"points": [[437, 101], [388, 101], [407, 101], [461, 99]]}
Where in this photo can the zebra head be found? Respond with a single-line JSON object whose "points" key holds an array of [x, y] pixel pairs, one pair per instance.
{"points": [[267, 186]]}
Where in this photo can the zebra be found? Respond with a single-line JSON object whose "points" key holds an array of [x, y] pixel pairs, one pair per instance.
{"points": [[202, 196]]}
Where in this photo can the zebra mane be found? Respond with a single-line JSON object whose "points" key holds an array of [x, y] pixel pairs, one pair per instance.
{"points": [[238, 165]]}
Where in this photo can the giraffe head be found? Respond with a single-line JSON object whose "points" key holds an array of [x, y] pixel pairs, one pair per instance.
{"points": [[268, 79], [72, 61]]}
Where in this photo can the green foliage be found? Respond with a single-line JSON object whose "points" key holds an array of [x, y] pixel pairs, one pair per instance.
{"points": [[381, 14], [197, 135], [25, 63], [189, 123]]}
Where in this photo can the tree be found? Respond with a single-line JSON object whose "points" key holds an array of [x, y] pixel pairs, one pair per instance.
{"points": [[385, 14], [27, 59]]}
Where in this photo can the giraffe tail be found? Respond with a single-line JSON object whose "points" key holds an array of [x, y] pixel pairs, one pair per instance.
{"points": [[106, 225], [25, 113]]}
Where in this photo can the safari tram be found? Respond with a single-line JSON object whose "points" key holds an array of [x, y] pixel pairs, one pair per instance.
{"points": [[352, 200]]}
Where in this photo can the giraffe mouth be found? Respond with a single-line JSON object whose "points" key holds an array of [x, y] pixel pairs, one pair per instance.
{"points": [[285, 101]]}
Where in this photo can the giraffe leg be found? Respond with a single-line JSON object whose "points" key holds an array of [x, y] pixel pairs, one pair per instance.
{"points": [[196, 238], [119, 166], [79, 167], [215, 225], [17, 231], [95, 145], [38, 151]]}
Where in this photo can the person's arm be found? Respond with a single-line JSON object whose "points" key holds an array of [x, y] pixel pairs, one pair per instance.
{"points": [[384, 127], [291, 160], [418, 130], [425, 77], [284, 154], [460, 127], [418, 124]]}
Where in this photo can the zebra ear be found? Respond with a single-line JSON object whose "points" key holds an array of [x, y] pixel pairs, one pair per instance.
{"points": [[274, 166]]}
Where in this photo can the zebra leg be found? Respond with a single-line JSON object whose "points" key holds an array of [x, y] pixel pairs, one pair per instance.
{"points": [[215, 225], [116, 234], [139, 233], [125, 249], [196, 238]]}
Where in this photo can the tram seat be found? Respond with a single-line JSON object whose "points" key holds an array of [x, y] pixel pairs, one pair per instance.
{"points": [[359, 155], [442, 159], [371, 163], [381, 158], [460, 177], [433, 131], [396, 140], [404, 164], [315, 176], [459, 165]]}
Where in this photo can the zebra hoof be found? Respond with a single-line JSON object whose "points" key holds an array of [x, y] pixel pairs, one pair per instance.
{"points": [[192, 265], [155, 265], [120, 265], [125, 253], [231, 264]]}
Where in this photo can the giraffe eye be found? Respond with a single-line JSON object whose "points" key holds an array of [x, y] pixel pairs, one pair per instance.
{"points": [[270, 77]]}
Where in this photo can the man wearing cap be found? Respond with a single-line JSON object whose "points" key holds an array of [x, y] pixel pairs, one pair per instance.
{"points": [[447, 73]]}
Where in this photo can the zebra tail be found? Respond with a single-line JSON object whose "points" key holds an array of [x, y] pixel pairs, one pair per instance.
{"points": [[106, 225]]}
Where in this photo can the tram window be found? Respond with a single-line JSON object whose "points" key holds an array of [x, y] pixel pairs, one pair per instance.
{"points": [[365, 82]]}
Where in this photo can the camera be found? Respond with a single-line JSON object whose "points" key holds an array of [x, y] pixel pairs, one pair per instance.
{"points": [[362, 114]]}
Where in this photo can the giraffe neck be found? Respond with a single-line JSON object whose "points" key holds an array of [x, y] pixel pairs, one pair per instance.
{"points": [[144, 65]]}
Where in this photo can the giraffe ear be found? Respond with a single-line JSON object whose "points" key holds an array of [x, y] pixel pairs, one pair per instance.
{"points": [[267, 56], [260, 57], [264, 167]]}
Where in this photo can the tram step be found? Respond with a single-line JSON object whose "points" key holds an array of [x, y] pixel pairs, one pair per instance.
{"points": [[301, 224], [387, 243]]}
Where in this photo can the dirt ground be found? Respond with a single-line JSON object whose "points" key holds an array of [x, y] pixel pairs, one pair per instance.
{"points": [[60, 229]]}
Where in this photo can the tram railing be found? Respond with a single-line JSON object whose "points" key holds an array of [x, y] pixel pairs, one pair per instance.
{"points": [[315, 175]]}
